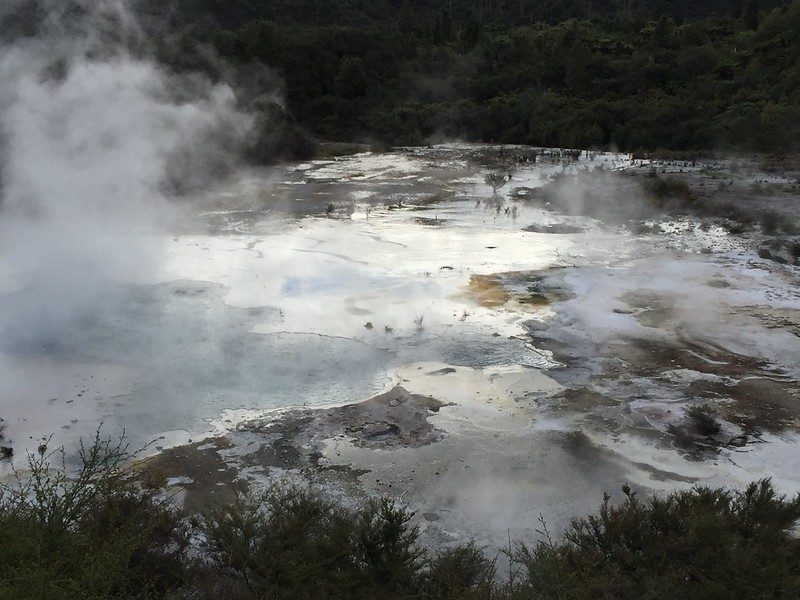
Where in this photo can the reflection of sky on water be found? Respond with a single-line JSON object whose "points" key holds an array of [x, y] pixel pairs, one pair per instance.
{"points": [[283, 310], [264, 301], [196, 356]]}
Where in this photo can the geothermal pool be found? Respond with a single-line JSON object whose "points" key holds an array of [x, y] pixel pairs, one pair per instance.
{"points": [[260, 299], [328, 282]]}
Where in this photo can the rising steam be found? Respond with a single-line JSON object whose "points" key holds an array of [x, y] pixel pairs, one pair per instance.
{"points": [[93, 137]]}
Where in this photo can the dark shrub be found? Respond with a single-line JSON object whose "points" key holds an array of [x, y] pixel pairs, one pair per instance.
{"points": [[700, 543]]}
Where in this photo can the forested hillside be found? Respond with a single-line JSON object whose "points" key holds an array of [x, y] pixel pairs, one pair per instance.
{"points": [[495, 13], [627, 74]]}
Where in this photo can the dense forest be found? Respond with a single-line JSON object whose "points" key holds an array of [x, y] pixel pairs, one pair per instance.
{"points": [[635, 75], [627, 75]]}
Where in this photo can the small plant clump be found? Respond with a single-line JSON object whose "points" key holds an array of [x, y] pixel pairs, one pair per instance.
{"points": [[497, 180], [663, 188], [6, 451], [703, 420]]}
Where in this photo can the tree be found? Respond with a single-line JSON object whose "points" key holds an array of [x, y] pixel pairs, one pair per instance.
{"points": [[471, 33], [406, 21], [750, 15], [351, 81], [443, 28]]}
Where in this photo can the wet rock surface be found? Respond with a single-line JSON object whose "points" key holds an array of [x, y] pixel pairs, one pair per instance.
{"points": [[395, 419], [209, 472], [675, 362], [631, 335], [654, 382], [195, 475]]}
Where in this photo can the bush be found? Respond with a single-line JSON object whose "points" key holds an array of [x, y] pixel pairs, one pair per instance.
{"points": [[700, 543], [769, 222], [663, 188], [95, 536], [87, 536], [293, 543], [456, 571], [703, 420], [288, 543]]}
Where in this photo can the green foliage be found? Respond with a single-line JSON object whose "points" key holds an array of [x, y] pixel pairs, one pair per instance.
{"points": [[292, 543], [772, 221], [701, 543], [703, 419], [94, 535], [89, 535], [750, 14], [276, 136], [634, 78], [386, 544], [470, 34], [663, 189], [460, 572], [351, 81], [288, 544], [769, 223]]}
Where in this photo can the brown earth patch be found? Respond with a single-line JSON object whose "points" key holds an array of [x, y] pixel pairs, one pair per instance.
{"points": [[487, 290], [583, 400], [652, 357], [394, 419], [206, 478], [786, 319], [534, 300], [761, 404], [527, 288]]}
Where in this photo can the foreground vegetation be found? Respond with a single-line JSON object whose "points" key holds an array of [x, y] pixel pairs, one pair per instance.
{"points": [[98, 535]]}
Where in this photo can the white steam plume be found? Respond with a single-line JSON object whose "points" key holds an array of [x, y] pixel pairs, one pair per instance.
{"points": [[91, 135]]}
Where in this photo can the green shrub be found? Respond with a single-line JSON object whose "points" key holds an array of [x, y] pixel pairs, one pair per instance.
{"points": [[769, 222], [94, 535], [703, 420], [288, 543], [701, 543], [90, 535], [663, 188], [293, 543], [457, 572]]}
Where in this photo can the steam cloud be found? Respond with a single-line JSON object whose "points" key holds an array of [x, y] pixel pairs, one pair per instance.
{"points": [[92, 137]]}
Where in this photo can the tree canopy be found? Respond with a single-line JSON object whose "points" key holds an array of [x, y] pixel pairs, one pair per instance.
{"points": [[625, 74]]}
